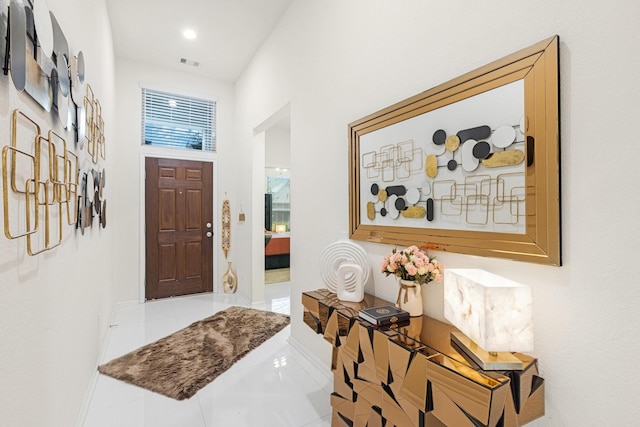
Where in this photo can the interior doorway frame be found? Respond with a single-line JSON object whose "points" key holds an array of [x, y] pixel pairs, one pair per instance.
{"points": [[257, 199], [200, 156]]}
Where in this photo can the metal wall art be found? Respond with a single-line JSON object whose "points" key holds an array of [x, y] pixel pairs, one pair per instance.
{"points": [[471, 166], [42, 183], [94, 126], [42, 65], [91, 203]]}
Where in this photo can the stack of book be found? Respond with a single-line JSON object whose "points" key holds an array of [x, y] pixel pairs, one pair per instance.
{"points": [[384, 315]]}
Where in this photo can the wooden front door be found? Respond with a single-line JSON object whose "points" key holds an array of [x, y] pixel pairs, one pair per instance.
{"points": [[179, 232]]}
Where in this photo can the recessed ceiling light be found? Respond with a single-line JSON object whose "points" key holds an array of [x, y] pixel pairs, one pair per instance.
{"points": [[189, 34]]}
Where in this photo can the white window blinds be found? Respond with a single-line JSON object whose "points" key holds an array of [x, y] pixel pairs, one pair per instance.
{"points": [[177, 121]]}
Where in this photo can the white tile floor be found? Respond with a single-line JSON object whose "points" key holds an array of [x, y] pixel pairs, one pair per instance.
{"points": [[273, 386]]}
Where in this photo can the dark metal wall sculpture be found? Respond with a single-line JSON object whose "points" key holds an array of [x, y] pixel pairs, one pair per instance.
{"points": [[42, 65], [41, 173], [91, 203]]}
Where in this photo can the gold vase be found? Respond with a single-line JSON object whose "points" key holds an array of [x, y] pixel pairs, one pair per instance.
{"points": [[229, 281]]}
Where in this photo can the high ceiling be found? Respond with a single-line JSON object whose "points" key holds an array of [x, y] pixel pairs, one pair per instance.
{"points": [[229, 32]]}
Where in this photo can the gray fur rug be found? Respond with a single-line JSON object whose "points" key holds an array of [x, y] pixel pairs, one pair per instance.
{"points": [[182, 363]]}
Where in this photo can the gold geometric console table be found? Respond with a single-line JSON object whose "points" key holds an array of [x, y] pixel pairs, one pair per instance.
{"points": [[412, 376]]}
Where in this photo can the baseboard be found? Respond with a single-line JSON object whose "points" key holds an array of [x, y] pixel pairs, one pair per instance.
{"points": [[86, 402], [244, 299], [317, 363]]}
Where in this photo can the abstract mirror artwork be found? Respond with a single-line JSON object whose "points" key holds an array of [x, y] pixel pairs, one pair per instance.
{"points": [[470, 166]]}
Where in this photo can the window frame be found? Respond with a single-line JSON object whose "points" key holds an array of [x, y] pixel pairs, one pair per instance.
{"points": [[195, 115]]}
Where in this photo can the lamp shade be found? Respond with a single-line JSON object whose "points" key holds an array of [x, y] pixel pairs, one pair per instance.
{"points": [[494, 312]]}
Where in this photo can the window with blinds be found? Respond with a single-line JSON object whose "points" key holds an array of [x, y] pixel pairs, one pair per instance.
{"points": [[177, 121]]}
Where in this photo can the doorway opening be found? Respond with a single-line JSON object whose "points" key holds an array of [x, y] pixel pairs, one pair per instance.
{"points": [[277, 202], [271, 148]]}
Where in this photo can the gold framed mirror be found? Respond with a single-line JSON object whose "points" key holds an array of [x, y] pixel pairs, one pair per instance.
{"points": [[471, 166]]}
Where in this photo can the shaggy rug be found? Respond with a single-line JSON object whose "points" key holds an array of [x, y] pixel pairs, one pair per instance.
{"points": [[179, 365]]}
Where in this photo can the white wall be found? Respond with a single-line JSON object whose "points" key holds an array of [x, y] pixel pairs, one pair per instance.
{"points": [[277, 148], [131, 77], [54, 307], [337, 61]]}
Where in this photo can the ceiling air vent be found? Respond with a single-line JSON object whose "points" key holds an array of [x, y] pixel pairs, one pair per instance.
{"points": [[186, 61]]}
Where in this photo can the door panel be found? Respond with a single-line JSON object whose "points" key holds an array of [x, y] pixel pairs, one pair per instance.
{"points": [[179, 204], [194, 210], [194, 264], [167, 210], [166, 266]]}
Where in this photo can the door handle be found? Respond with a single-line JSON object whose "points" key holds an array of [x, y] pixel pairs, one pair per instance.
{"points": [[208, 225], [209, 234]]}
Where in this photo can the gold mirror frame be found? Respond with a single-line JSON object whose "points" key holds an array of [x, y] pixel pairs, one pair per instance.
{"points": [[538, 67]]}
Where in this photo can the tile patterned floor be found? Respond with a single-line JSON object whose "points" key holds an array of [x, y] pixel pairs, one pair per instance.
{"points": [[273, 386]]}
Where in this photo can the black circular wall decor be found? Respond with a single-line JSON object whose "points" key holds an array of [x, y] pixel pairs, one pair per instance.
{"points": [[439, 137], [481, 150]]}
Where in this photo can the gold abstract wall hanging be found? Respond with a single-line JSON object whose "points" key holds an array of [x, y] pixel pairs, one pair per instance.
{"points": [[226, 228], [40, 183], [229, 278], [471, 166], [94, 126]]}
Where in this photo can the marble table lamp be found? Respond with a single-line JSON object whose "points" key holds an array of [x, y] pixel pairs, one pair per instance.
{"points": [[495, 315]]}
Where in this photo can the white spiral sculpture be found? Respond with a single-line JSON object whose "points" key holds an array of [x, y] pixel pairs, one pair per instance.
{"points": [[337, 253]]}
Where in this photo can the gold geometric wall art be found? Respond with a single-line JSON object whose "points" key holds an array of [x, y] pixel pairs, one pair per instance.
{"points": [[94, 126], [39, 182]]}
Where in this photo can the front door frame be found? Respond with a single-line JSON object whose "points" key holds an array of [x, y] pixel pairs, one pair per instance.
{"points": [[199, 156]]}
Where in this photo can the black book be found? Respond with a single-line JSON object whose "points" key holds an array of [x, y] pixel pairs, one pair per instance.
{"points": [[384, 315]]}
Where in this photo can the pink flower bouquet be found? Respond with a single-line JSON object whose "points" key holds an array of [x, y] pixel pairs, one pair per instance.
{"points": [[414, 264]]}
